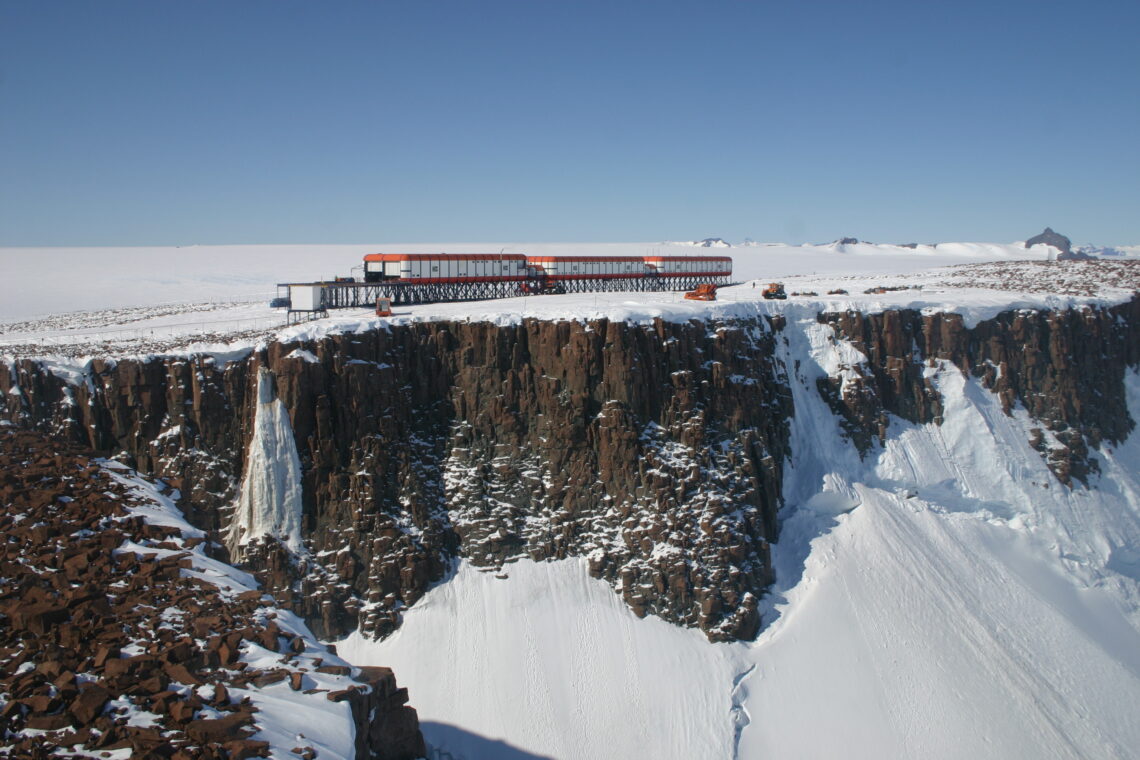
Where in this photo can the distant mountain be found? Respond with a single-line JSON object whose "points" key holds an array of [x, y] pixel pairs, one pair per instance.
{"points": [[1109, 251], [706, 243], [1058, 241]]}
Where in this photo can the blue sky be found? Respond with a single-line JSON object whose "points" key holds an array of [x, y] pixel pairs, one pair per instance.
{"points": [[164, 122]]}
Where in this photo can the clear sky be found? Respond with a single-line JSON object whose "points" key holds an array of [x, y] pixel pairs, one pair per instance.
{"points": [[172, 122]]}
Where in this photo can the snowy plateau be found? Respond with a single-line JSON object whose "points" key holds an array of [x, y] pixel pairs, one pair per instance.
{"points": [[941, 594]]}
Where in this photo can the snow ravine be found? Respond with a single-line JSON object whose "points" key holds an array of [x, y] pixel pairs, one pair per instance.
{"points": [[945, 597], [965, 608]]}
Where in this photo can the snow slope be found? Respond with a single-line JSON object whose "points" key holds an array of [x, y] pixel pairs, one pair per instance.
{"points": [[944, 598], [966, 607], [551, 662]]}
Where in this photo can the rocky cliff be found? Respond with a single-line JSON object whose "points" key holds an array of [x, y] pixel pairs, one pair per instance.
{"points": [[1055, 239], [656, 451], [1065, 368]]}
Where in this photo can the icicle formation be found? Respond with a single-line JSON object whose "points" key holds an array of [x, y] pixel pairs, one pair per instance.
{"points": [[270, 500]]}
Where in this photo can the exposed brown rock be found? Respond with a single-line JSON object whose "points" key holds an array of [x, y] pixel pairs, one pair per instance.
{"points": [[87, 706], [217, 730], [1065, 368], [56, 624], [468, 431], [654, 451]]}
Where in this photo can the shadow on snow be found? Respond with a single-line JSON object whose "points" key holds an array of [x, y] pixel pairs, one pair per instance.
{"points": [[447, 742]]}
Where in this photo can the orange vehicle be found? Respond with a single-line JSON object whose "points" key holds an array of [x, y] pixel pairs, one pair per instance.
{"points": [[383, 306], [704, 292], [775, 290]]}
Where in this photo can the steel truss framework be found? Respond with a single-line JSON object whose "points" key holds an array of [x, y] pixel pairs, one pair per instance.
{"points": [[346, 295]]}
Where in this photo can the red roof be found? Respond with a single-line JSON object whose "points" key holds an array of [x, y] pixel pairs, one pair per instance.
{"points": [[588, 259], [445, 257]]}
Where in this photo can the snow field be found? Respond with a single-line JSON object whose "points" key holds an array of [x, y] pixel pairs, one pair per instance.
{"points": [[185, 299], [42, 281]]}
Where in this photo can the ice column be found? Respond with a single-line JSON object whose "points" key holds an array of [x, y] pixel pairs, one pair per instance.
{"points": [[270, 500]]}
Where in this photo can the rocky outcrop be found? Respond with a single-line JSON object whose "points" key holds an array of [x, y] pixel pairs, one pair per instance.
{"points": [[1061, 243], [108, 641], [893, 378], [1065, 368], [1049, 237], [655, 451]]}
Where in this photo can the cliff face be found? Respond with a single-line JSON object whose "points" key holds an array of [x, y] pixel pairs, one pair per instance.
{"points": [[1065, 368], [655, 451]]}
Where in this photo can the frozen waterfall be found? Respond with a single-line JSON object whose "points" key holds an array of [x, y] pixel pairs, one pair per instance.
{"points": [[270, 500]]}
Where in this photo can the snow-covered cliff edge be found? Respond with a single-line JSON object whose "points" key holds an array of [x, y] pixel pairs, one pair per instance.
{"points": [[656, 451]]}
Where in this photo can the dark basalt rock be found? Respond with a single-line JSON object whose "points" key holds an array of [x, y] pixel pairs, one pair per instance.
{"points": [[1049, 237], [71, 606], [1061, 243], [1064, 368], [655, 451]]}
